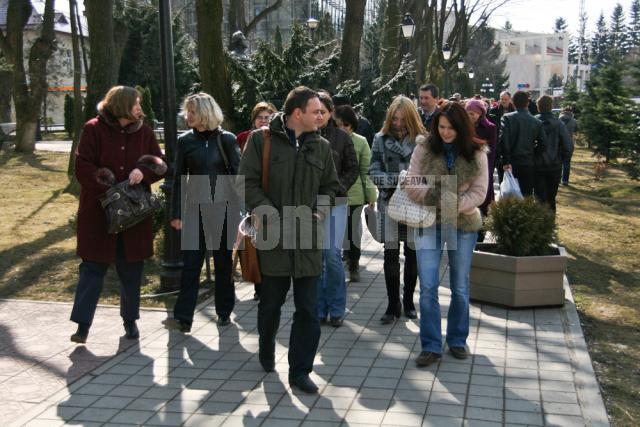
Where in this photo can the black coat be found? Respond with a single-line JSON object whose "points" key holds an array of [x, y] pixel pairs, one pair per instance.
{"points": [[521, 135], [344, 157], [558, 145], [196, 155]]}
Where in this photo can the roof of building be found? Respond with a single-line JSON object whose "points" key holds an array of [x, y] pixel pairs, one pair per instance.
{"points": [[62, 21]]}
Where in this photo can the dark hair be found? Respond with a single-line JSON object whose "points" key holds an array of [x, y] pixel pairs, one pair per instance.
{"points": [[340, 99], [298, 98], [545, 104], [119, 101], [325, 98], [520, 99], [464, 145], [429, 87], [346, 114]]}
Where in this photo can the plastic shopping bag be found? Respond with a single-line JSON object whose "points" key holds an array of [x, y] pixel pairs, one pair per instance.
{"points": [[510, 187]]}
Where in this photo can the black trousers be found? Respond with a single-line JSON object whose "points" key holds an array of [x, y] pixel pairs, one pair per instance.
{"points": [[546, 186], [354, 236], [224, 292], [525, 174], [305, 330], [90, 286], [392, 273]]}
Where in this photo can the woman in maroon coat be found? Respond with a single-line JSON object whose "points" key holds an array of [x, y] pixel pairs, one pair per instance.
{"points": [[115, 146], [487, 132]]}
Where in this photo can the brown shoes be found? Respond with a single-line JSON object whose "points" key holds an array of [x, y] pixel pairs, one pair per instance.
{"points": [[427, 358]]}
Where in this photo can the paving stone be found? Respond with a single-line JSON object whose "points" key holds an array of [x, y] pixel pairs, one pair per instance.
{"points": [[364, 417], [445, 410], [112, 402], [132, 417], [402, 419], [96, 414], [485, 402], [163, 418], [197, 420], [523, 405], [484, 414], [559, 397], [563, 421], [441, 421]]}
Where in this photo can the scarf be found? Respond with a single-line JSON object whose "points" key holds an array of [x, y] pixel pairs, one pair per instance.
{"points": [[449, 155]]}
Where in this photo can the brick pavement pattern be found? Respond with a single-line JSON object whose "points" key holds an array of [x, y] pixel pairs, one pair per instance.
{"points": [[528, 368]]}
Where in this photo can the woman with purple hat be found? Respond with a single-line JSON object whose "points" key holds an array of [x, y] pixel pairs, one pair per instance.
{"points": [[487, 132]]}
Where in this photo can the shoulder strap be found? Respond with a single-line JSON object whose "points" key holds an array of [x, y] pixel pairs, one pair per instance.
{"points": [[266, 150], [222, 152]]}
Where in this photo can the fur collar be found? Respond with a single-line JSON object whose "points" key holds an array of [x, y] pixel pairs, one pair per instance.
{"points": [[111, 121]]}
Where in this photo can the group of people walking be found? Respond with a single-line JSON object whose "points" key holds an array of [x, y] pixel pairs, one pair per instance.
{"points": [[306, 174]]}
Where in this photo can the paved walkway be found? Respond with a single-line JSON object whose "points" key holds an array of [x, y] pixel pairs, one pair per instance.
{"points": [[529, 367]]}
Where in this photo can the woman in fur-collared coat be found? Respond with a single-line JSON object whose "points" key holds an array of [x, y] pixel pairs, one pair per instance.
{"points": [[114, 146], [451, 173]]}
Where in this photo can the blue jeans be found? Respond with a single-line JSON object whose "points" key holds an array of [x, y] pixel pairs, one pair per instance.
{"points": [[429, 245], [332, 289]]}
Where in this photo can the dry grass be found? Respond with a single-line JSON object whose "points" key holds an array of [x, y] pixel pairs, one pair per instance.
{"points": [[37, 249], [599, 224]]}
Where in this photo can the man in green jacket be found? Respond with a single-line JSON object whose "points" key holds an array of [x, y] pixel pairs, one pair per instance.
{"points": [[302, 182]]}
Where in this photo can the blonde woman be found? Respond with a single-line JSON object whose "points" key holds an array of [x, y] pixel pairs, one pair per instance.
{"points": [[391, 153], [206, 150]]}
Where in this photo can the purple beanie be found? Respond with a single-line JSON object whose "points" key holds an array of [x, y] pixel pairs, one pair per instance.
{"points": [[476, 105]]}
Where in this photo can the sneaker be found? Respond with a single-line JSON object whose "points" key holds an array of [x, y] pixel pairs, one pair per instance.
{"points": [[458, 352], [427, 358]]}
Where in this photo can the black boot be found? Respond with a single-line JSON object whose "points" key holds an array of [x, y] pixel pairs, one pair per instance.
{"points": [[392, 313], [81, 334], [354, 273], [131, 331]]}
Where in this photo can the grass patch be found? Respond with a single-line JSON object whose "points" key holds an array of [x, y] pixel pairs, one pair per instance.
{"points": [[599, 224], [37, 249]]}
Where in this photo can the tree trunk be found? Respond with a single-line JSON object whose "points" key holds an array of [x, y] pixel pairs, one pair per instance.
{"points": [[351, 39], [103, 69], [5, 96], [77, 92], [213, 67], [27, 97], [390, 44]]}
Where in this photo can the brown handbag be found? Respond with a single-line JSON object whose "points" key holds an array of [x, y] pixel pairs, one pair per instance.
{"points": [[249, 263]]}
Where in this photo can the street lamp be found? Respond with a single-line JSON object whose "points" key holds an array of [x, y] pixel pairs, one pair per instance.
{"points": [[471, 73], [460, 64], [313, 23], [446, 52], [408, 26]]}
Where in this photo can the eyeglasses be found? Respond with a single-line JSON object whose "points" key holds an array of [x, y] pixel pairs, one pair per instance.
{"points": [[263, 117]]}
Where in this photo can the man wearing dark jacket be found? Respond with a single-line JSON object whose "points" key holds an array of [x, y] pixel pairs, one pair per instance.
{"points": [[428, 100], [521, 135], [300, 170], [558, 147], [572, 127]]}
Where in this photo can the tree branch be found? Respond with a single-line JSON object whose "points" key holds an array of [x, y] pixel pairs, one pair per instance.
{"points": [[259, 17]]}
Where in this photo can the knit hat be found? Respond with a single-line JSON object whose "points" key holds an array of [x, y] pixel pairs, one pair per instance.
{"points": [[476, 105]]}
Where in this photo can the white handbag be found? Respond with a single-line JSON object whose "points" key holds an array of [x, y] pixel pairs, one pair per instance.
{"points": [[404, 210]]}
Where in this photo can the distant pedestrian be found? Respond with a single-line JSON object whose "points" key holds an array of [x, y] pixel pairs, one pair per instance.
{"points": [[115, 146], [572, 127], [364, 125], [521, 135], [428, 100], [260, 116], [558, 148]]}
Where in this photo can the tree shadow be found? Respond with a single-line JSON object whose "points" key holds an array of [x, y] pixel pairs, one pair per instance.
{"points": [[34, 160]]}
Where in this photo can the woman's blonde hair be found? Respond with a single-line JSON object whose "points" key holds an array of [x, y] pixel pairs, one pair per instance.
{"points": [[207, 111], [411, 117], [119, 101]]}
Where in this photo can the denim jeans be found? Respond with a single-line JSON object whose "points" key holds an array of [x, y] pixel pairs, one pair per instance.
{"points": [[90, 286], [332, 289], [429, 246]]}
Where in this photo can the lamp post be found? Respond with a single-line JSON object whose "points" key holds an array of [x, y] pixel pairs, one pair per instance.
{"points": [[171, 260], [408, 30], [446, 55]]}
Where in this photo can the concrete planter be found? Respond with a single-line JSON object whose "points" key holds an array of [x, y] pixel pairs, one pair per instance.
{"points": [[517, 281]]}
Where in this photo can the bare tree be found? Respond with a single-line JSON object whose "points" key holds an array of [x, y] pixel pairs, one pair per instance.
{"points": [[351, 38], [237, 14], [77, 91], [107, 40], [214, 72], [27, 96], [5, 91]]}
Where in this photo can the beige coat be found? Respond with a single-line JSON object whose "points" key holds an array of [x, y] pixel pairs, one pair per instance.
{"points": [[424, 182]]}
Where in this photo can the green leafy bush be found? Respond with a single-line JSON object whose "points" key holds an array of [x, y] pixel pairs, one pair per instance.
{"points": [[521, 227]]}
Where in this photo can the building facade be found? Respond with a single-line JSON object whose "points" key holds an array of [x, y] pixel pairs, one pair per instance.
{"points": [[60, 64], [533, 59]]}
